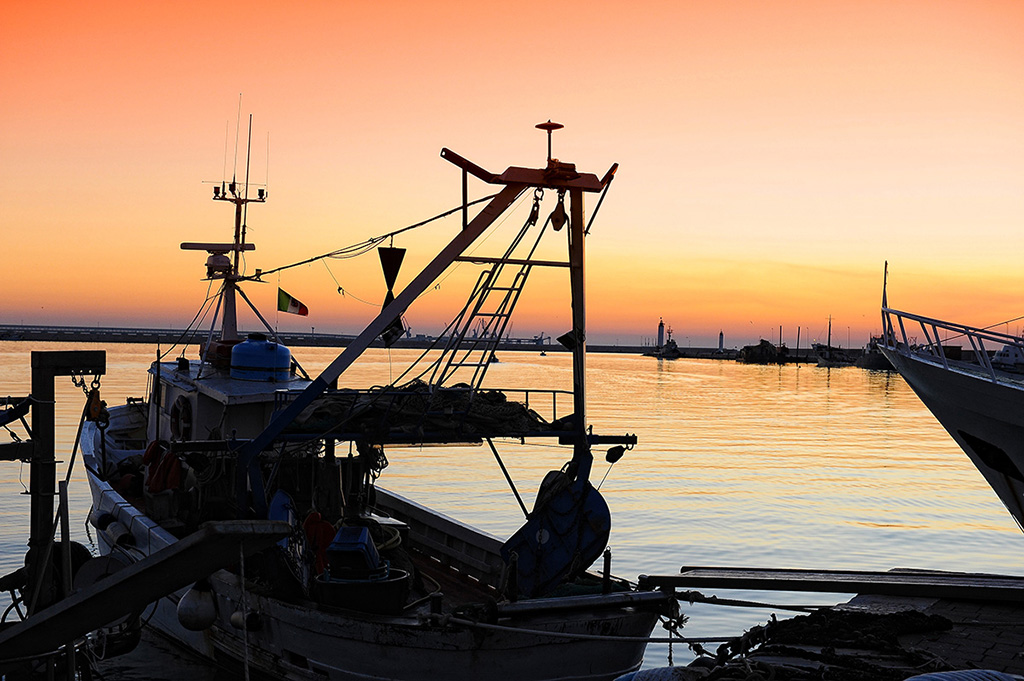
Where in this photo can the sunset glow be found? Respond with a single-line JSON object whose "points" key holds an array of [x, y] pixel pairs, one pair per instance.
{"points": [[772, 156]]}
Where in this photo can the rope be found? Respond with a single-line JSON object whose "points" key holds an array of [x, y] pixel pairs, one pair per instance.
{"points": [[698, 597], [78, 440], [245, 618], [579, 637]]}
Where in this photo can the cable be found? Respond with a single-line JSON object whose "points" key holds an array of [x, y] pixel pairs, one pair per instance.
{"points": [[341, 289], [365, 246], [188, 328]]}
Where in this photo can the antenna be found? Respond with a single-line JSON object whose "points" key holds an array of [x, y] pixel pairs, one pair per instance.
{"points": [[550, 128], [245, 197], [220, 265], [224, 170]]}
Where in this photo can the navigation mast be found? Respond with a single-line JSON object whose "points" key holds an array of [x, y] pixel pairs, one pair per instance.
{"points": [[220, 265]]}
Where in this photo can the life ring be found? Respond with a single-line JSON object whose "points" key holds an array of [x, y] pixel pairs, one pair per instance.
{"points": [[181, 419]]}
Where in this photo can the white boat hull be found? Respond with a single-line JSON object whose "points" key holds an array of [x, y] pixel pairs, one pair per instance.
{"points": [[984, 416]]}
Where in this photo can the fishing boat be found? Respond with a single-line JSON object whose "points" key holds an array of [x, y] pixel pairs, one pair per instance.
{"points": [[977, 396], [829, 356], [764, 352], [666, 348], [872, 358], [369, 584]]}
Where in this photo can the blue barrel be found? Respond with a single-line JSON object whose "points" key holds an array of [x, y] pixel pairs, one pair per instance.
{"points": [[257, 359]]}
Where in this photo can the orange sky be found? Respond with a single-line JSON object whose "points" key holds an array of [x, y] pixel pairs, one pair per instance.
{"points": [[773, 155]]}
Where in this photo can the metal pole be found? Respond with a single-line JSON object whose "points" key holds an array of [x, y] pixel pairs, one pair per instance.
{"points": [[43, 468], [65, 534], [465, 198], [508, 477], [43, 477], [577, 280]]}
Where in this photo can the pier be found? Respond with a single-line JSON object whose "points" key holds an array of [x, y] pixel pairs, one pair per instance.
{"points": [[900, 623]]}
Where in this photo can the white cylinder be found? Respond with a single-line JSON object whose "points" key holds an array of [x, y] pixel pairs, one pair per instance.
{"points": [[197, 611]]}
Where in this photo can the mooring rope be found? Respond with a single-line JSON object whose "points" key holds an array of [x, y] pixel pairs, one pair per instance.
{"points": [[245, 615], [581, 637]]}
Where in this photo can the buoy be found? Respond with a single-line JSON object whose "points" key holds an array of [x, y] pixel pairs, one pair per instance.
{"points": [[251, 621], [197, 611]]}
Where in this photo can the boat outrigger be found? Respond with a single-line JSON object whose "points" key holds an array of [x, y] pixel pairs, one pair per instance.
{"points": [[371, 585]]}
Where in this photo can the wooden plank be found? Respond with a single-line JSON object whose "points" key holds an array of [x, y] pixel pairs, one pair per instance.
{"points": [[214, 546], [918, 583]]}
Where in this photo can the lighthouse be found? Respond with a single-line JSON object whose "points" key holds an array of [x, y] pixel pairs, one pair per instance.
{"points": [[721, 341], [661, 332]]}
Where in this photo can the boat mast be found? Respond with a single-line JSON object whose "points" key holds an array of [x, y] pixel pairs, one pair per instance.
{"points": [[577, 284], [219, 265], [829, 345]]}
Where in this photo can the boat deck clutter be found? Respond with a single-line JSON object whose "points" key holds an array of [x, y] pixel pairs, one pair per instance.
{"points": [[871, 638], [875, 636]]}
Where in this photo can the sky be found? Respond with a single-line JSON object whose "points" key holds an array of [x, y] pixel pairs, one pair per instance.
{"points": [[773, 156]]}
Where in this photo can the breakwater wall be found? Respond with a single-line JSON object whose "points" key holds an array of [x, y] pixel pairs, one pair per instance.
{"points": [[88, 334]]}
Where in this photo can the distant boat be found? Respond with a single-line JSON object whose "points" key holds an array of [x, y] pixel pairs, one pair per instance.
{"points": [[873, 358], [764, 352], [829, 356], [665, 349]]}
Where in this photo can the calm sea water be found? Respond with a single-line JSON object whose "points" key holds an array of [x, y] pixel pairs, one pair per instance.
{"points": [[737, 465]]}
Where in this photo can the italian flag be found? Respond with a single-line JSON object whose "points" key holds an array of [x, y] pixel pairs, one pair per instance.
{"points": [[286, 303]]}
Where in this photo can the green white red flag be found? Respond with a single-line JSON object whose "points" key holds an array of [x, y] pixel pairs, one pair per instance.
{"points": [[287, 303]]}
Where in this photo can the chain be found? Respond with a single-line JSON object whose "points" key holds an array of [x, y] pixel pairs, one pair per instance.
{"points": [[96, 409], [672, 624], [78, 380]]}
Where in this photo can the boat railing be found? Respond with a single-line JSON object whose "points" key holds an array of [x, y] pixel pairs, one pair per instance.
{"points": [[896, 337]]}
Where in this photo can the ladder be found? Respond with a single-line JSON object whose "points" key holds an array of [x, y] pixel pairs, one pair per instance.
{"points": [[489, 310]]}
